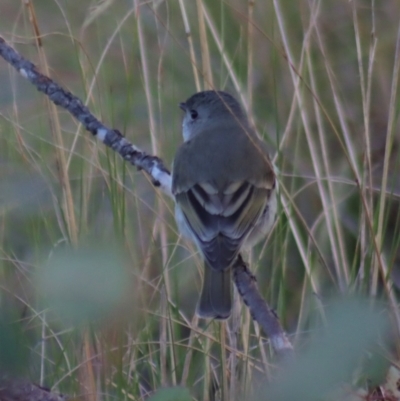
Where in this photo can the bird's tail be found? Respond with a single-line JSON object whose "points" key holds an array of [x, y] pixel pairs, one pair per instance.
{"points": [[216, 295]]}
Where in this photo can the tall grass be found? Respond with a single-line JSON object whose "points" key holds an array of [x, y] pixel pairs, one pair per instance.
{"points": [[319, 80]]}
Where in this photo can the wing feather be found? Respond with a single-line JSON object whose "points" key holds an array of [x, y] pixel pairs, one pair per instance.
{"points": [[221, 222]]}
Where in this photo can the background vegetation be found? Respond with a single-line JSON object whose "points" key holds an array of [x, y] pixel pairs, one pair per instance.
{"points": [[97, 283]]}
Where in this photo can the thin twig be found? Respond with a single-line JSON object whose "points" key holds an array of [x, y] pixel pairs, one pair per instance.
{"points": [[260, 311]]}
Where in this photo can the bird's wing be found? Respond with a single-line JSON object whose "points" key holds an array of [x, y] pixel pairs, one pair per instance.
{"points": [[221, 220], [222, 189]]}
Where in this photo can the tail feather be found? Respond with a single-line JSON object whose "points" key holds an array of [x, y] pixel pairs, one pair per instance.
{"points": [[216, 295]]}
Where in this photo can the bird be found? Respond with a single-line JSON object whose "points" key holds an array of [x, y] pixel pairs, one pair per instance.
{"points": [[224, 187]]}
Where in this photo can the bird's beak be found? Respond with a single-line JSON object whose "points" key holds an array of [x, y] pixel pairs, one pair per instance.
{"points": [[182, 106]]}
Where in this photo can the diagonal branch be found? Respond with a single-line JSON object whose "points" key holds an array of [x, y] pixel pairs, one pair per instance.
{"points": [[112, 138], [260, 311], [160, 176]]}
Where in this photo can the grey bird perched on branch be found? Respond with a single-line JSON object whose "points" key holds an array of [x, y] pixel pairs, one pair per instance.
{"points": [[224, 187]]}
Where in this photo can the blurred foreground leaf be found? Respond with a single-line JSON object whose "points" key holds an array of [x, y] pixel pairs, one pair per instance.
{"points": [[172, 394], [13, 345], [85, 284], [351, 332]]}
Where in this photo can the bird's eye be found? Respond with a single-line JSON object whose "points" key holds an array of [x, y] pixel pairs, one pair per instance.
{"points": [[194, 114]]}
